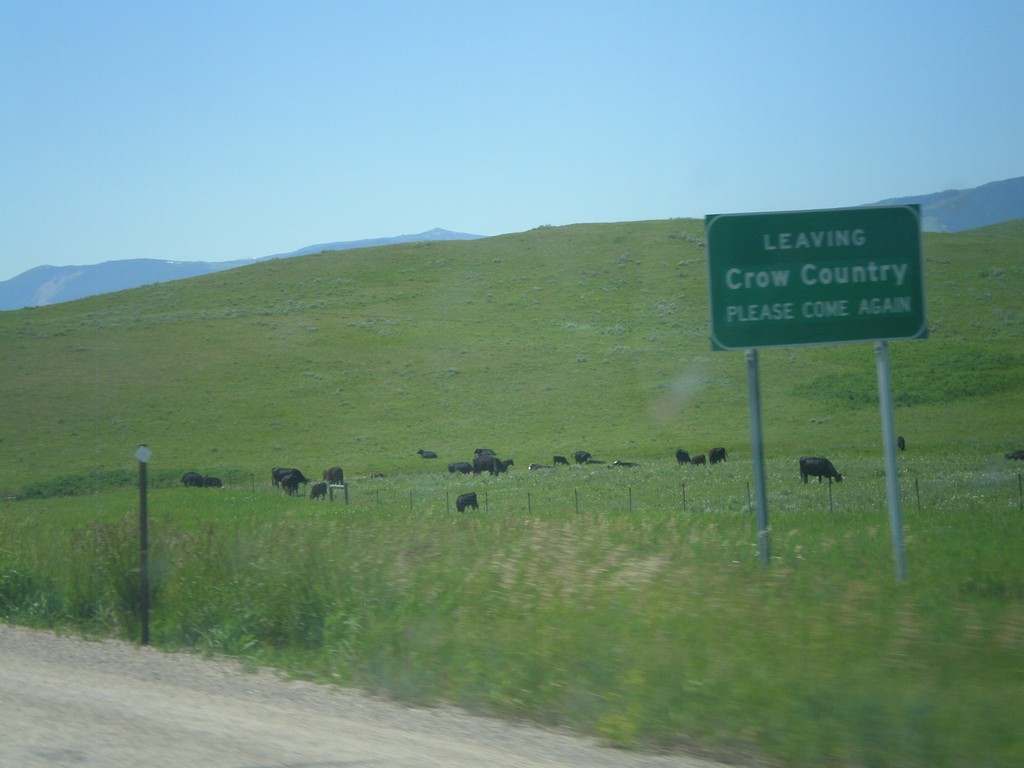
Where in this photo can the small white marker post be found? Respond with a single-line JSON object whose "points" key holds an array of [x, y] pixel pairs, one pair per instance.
{"points": [[143, 454]]}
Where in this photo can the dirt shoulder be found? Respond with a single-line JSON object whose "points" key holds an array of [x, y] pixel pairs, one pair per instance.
{"points": [[70, 702]]}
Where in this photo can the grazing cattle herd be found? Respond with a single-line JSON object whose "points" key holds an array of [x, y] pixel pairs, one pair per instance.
{"points": [[485, 460]]}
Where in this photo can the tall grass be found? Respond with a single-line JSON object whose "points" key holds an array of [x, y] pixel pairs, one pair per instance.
{"points": [[631, 619]]}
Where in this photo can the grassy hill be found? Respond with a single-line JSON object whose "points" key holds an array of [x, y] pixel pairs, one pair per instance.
{"points": [[627, 604], [586, 336]]}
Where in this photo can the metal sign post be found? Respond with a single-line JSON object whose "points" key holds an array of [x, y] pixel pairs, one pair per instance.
{"points": [[143, 455], [764, 547], [892, 478]]}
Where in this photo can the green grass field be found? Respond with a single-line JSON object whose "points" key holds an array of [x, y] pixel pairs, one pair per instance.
{"points": [[626, 603]]}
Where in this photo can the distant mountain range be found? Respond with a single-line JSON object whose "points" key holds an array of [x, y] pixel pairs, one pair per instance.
{"points": [[956, 210], [52, 285], [951, 211]]}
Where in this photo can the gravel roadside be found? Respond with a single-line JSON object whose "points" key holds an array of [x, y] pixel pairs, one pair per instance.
{"points": [[70, 702]]}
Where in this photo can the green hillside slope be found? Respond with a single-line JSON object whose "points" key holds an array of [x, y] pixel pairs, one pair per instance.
{"points": [[544, 342]]}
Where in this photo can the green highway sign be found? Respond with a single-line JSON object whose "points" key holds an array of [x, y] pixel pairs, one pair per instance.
{"points": [[815, 277]]}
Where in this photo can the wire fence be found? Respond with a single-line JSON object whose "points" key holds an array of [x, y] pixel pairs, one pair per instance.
{"points": [[733, 496]]}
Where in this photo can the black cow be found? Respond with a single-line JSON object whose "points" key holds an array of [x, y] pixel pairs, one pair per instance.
{"points": [[318, 491], [482, 451], [279, 472], [901, 443], [716, 455], [334, 475], [499, 466], [482, 462], [1018, 455], [427, 454], [700, 459], [560, 460], [683, 457], [464, 467], [291, 482], [816, 466], [540, 466], [466, 500], [192, 480], [487, 462], [624, 464], [582, 457], [212, 482]]}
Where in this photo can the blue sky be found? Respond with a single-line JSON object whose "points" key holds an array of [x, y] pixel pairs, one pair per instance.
{"points": [[232, 129]]}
